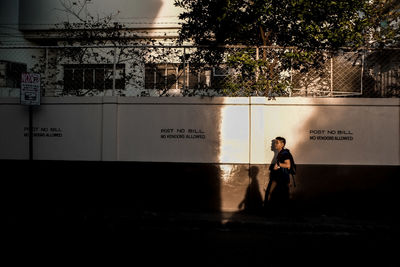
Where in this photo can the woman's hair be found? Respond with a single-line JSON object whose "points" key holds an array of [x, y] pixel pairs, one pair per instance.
{"points": [[283, 140]]}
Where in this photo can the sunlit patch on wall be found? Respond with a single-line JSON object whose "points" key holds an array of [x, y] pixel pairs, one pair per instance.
{"points": [[227, 172], [234, 134]]}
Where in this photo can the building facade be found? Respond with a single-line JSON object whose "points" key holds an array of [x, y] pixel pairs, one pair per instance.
{"points": [[128, 48]]}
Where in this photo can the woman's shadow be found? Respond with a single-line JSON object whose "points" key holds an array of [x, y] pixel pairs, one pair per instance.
{"points": [[252, 202]]}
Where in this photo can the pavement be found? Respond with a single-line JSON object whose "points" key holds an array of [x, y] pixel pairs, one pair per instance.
{"points": [[194, 238]]}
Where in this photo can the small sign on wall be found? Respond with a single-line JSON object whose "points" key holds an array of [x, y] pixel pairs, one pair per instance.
{"points": [[30, 89]]}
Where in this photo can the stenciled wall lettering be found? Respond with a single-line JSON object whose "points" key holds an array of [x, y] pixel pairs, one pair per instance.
{"points": [[331, 135], [177, 134], [44, 132]]}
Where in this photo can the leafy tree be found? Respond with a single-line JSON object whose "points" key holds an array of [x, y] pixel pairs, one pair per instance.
{"points": [[305, 30], [383, 17]]}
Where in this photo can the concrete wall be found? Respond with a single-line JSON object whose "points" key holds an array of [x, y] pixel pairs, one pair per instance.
{"points": [[343, 147], [10, 33], [205, 130], [43, 14]]}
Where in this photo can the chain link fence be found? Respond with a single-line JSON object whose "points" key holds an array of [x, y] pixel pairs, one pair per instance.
{"points": [[200, 71]]}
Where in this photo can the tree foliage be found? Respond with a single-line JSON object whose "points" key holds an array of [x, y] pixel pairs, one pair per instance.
{"points": [[307, 24], [305, 31]]}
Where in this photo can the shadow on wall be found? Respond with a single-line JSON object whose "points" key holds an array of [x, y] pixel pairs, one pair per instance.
{"points": [[43, 13], [255, 196], [179, 187], [179, 142], [74, 190], [140, 187], [345, 188], [252, 202]]}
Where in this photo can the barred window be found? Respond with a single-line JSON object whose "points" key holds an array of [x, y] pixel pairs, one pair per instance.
{"points": [[10, 74], [164, 76], [93, 77], [200, 78], [171, 76]]}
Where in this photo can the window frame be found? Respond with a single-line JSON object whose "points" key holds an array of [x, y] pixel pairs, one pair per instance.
{"points": [[95, 71], [196, 78]]}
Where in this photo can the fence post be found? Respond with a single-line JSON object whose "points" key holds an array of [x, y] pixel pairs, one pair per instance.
{"points": [[46, 75], [331, 92], [114, 70], [362, 71], [184, 68], [291, 75], [30, 132], [257, 58]]}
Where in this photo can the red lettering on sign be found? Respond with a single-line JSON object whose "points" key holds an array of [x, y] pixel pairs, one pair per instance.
{"points": [[30, 78]]}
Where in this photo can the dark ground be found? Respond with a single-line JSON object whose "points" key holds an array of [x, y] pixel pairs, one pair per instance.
{"points": [[89, 214], [127, 237]]}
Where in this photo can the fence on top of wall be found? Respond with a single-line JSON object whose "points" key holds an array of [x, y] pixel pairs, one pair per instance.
{"points": [[141, 71]]}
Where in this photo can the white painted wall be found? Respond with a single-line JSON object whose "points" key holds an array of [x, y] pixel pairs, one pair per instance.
{"points": [[42, 14], [142, 132], [78, 122], [372, 124], [159, 17], [131, 129], [9, 24]]}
